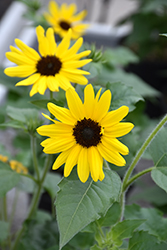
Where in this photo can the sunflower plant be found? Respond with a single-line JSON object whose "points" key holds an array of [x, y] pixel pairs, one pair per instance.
{"points": [[80, 133]]}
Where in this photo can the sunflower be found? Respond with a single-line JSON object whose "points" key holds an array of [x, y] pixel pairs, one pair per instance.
{"points": [[86, 133], [56, 67], [63, 18]]}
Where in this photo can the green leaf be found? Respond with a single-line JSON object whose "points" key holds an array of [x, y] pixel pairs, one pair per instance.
{"points": [[78, 204], [111, 217], [129, 79], [4, 229], [155, 224], [143, 240], [43, 103], [123, 95], [22, 115], [123, 230], [159, 176], [120, 56], [51, 184], [95, 247], [13, 124], [158, 148], [8, 180]]}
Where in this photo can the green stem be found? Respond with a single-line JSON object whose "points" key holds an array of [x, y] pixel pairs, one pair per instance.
{"points": [[137, 176], [5, 216], [141, 151], [33, 147], [29, 176], [35, 201]]}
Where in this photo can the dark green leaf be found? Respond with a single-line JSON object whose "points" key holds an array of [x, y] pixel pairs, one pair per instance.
{"points": [[159, 175], [123, 95], [78, 204], [13, 124], [95, 247], [123, 230], [43, 103], [144, 241], [51, 184], [8, 180], [155, 224], [111, 217]]}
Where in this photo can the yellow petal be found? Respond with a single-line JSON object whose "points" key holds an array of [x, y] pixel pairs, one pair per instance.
{"points": [[55, 130], [42, 85], [19, 59], [63, 81], [75, 104], [119, 129], [75, 71], [64, 45], [29, 81], [62, 114], [89, 100], [27, 50], [95, 162], [52, 83], [114, 144], [61, 159], [20, 71], [43, 45], [34, 89], [74, 49], [83, 165], [102, 106], [72, 159], [111, 156], [114, 116], [80, 16], [53, 8], [80, 79], [53, 146], [76, 64], [51, 41]]}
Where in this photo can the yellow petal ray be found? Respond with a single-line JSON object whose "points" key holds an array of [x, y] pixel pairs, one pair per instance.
{"points": [[83, 165], [80, 16], [115, 145], [20, 71], [101, 175], [74, 49], [63, 81], [102, 106], [51, 41], [95, 162], [71, 10], [75, 71], [111, 156], [114, 116], [48, 117], [28, 81], [80, 79], [42, 84], [43, 45], [72, 160], [64, 45], [53, 8], [53, 146], [34, 89], [55, 130], [89, 100], [52, 83], [119, 129], [80, 55], [76, 64], [30, 52], [80, 28], [61, 159], [62, 114], [75, 104], [19, 59], [14, 49]]}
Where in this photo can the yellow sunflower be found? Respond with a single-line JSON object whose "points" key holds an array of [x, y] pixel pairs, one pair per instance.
{"points": [[86, 133], [56, 65], [63, 18]]}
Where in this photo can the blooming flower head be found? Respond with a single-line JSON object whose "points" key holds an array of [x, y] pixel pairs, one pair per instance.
{"points": [[56, 65], [86, 133], [64, 18]]}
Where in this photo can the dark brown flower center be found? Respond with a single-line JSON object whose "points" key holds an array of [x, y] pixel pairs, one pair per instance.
{"points": [[49, 65], [64, 25], [87, 133]]}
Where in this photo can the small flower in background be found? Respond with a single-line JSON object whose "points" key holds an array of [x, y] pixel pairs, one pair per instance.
{"points": [[15, 165], [56, 67], [86, 133], [3, 158], [64, 18], [18, 167]]}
